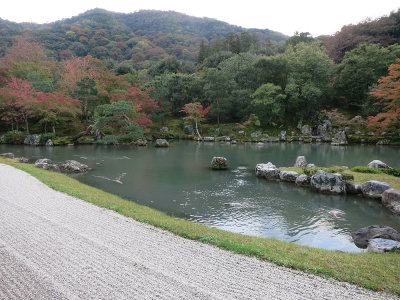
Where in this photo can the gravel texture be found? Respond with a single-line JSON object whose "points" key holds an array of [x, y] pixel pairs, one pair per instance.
{"points": [[53, 246]]}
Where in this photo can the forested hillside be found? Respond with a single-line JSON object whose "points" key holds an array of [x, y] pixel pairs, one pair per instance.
{"points": [[121, 73]]}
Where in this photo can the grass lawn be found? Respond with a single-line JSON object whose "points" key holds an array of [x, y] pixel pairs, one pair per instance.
{"points": [[370, 270]]}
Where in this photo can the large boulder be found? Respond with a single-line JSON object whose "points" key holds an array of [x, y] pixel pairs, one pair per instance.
{"points": [[305, 130], [209, 139], [379, 245], [328, 182], [353, 188], [32, 139], [377, 164], [391, 199], [219, 163], [164, 129], [339, 139], [49, 143], [288, 176], [72, 166], [325, 129], [282, 136], [365, 234], [2, 139], [256, 134], [374, 189], [141, 142], [303, 180], [188, 129], [47, 164], [301, 162], [269, 171], [161, 143], [7, 155]]}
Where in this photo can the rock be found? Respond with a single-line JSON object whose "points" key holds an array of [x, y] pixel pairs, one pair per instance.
{"points": [[233, 142], [223, 139], [23, 160], [379, 245], [141, 142], [46, 164], [303, 180], [49, 143], [256, 134], [2, 139], [383, 142], [164, 129], [73, 166], [307, 140], [301, 162], [269, 171], [353, 188], [311, 166], [32, 139], [282, 136], [188, 129], [270, 140], [325, 129], [358, 118], [305, 130], [328, 182], [391, 199], [374, 189], [209, 139], [370, 133], [377, 164], [260, 144], [241, 132], [365, 234], [219, 163], [339, 139], [288, 176], [161, 143], [7, 155]]}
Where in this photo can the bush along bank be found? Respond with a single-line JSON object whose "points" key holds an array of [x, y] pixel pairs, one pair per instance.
{"points": [[340, 180]]}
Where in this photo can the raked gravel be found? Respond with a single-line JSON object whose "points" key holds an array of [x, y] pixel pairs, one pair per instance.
{"points": [[53, 246]]}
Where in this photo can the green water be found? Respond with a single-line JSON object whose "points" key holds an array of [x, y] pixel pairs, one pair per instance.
{"points": [[177, 180]]}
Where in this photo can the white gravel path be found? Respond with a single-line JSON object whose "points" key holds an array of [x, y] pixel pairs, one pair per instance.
{"points": [[53, 246]]}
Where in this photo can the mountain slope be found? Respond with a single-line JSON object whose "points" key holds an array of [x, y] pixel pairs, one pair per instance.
{"points": [[147, 35]]}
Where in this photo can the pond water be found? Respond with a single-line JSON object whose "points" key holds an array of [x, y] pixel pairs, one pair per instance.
{"points": [[177, 180]]}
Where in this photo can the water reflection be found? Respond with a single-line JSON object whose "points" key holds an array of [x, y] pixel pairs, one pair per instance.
{"points": [[177, 180]]}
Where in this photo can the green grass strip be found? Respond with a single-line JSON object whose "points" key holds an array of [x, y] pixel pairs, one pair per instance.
{"points": [[373, 271]]}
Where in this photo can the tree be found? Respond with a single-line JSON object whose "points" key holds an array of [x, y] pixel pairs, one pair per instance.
{"points": [[115, 120], [87, 94], [360, 70], [388, 94], [269, 102], [216, 88], [195, 112], [51, 108]]}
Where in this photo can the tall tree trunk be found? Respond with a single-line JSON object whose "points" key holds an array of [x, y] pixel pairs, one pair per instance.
{"points": [[197, 130]]}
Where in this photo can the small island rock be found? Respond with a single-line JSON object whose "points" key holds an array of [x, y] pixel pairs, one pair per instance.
{"points": [[161, 143], [7, 155], [72, 166], [219, 163], [288, 176], [32, 139]]}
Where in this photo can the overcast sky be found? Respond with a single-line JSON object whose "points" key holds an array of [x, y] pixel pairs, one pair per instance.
{"points": [[287, 16]]}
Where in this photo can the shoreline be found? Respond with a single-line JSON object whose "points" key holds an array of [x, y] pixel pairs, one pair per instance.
{"points": [[316, 261]]}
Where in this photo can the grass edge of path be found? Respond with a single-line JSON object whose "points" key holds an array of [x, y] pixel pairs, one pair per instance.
{"points": [[379, 272]]}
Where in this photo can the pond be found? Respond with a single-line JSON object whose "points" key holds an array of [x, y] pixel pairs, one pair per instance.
{"points": [[177, 180]]}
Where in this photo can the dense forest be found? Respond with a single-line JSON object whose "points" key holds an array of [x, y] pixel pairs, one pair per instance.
{"points": [[122, 72]]}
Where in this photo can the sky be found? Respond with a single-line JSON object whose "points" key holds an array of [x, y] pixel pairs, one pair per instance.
{"points": [[318, 17]]}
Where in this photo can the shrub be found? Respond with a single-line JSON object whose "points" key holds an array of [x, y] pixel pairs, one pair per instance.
{"points": [[393, 172], [45, 137], [14, 137]]}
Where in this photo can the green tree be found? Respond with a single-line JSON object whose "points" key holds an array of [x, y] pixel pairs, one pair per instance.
{"points": [[360, 70], [115, 121], [269, 103], [87, 93]]}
